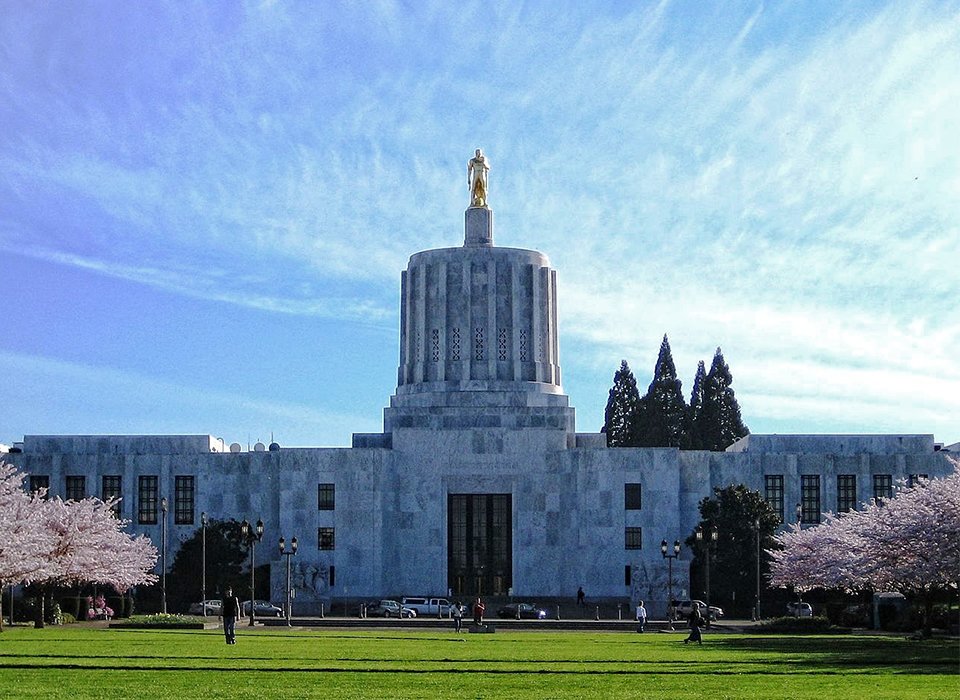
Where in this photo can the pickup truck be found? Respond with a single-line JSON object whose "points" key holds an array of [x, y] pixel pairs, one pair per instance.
{"points": [[428, 606]]}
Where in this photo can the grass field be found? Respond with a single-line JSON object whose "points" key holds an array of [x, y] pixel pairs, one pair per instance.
{"points": [[82, 662]]}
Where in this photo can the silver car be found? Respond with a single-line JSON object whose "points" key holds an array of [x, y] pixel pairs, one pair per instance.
{"points": [[262, 608], [214, 606]]}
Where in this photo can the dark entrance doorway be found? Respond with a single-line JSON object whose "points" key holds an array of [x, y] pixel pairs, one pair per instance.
{"points": [[479, 543]]}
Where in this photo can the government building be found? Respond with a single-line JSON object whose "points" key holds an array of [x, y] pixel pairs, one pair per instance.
{"points": [[479, 482]]}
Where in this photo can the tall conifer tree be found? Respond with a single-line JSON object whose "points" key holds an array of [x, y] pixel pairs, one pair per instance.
{"points": [[694, 439], [664, 412], [623, 405], [720, 424]]}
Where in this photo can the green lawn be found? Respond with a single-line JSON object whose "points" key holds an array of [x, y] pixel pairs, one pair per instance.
{"points": [[78, 662]]}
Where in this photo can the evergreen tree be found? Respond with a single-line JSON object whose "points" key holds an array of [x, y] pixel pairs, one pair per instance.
{"points": [[623, 405], [694, 439], [719, 423], [664, 412]]}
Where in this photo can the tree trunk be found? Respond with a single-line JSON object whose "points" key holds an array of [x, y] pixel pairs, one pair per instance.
{"points": [[927, 614], [38, 621]]}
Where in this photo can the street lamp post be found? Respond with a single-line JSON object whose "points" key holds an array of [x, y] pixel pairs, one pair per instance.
{"points": [[203, 562], [284, 553], [707, 544], [163, 561], [756, 526], [670, 558], [251, 537]]}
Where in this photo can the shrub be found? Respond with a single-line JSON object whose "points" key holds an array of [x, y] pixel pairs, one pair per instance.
{"points": [[801, 625], [162, 621]]}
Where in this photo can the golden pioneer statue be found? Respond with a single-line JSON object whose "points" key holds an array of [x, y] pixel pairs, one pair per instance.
{"points": [[477, 169]]}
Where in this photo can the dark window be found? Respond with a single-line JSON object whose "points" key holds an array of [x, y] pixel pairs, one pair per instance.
{"points": [[326, 497], [112, 487], [183, 499], [882, 486], [810, 498], [147, 500], [325, 538], [627, 574], [773, 493], [846, 492], [479, 543], [916, 479], [76, 488], [633, 538], [333, 576], [631, 497], [39, 482]]}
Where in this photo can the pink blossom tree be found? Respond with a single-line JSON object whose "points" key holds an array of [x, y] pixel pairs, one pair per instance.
{"points": [[90, 546], [909, 544], [24, 542]]}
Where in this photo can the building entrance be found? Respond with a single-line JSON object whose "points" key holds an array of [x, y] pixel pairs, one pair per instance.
{"points": [[479, 543]]}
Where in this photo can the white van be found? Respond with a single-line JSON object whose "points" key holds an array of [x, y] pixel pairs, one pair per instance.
{"points": [[428, 606]]}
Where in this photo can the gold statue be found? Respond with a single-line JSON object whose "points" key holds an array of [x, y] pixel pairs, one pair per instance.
{"points": [[477, 169]]}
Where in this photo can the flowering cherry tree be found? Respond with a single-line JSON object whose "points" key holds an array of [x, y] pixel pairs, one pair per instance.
{"points": [[67, 542], [24, 542], [909, 544]]}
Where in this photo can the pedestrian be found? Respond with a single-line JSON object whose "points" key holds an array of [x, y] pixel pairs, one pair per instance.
{"points": [[696, 621], [230, 610], [641, 616], [581, 597], [457, 616], [478, 609]]}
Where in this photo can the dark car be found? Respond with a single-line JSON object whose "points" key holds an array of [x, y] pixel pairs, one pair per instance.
{"points": [[527, 611]]}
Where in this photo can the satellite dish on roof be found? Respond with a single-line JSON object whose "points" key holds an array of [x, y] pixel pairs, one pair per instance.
{"points": [[235, 447], [274, 447], [259, 447]]}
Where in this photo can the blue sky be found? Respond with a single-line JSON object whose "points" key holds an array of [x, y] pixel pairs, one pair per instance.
{"points": [[205, 207]]}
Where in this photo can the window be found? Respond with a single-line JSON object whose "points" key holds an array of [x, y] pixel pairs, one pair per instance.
{"points": [[773, 493], [183, 500], [627, 574], [333, 575], [326, 497], [325, 538], [38, 482], [810, 498], [846, 492], [111, 487], [76, 488], [631, 497], [633, 538], [916, 479], [147, 500], [882, 486]]}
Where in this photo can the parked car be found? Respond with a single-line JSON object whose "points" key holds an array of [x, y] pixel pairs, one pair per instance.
{"points": [[214, 606], [389, 608], [799, 609], [684, 609], [262, 608], [528, 611], [427, 606]]}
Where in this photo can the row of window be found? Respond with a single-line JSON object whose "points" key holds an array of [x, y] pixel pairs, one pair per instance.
{"points": [[148, 501], [810, 506]]}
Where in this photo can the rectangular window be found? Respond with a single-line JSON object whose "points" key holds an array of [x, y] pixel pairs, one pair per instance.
{"points": [[76, 488], [846, 492], [183, 499], [112, 487], [631, 497], [916, 479], [633, 538], [627, 575], [333, 576], [882, 486], [773, 493], [326, 497], [810, 498], [38, 482], [325, 538], [147, 500]]}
